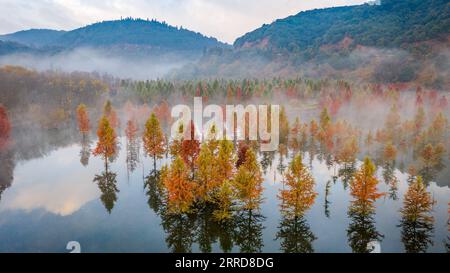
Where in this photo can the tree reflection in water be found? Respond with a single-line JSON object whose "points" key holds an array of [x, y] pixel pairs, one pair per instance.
{"points": [[85, 151], [155, 192], [132, 146], [296, 235], [248, 234], [362, 231], [107, 184]]}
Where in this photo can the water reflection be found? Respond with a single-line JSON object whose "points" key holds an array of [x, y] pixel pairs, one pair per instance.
{"points": [[85, 151], [247, 231], [248, 234], [362, 230], [295, 235], [107, 184], [132, 146], [154, 192]]}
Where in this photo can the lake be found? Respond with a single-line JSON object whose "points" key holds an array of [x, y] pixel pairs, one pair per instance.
{"points": [[52, 200]]}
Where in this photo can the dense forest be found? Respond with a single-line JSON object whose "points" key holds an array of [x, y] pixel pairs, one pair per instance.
{"points": [[393, 24]]}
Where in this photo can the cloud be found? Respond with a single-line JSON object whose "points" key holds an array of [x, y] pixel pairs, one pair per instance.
{"points": [[223, 19]]}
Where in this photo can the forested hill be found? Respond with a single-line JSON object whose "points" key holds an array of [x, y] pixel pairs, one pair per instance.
{"points": [[394, 23], [393, 41], [129, 33], [33, 37], [8, 47], [137, 32]]}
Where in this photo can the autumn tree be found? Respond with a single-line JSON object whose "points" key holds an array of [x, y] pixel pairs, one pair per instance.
{"points": [[83, 119], [363, 187], [418, 202], [417, 221], [325, 119], [295, 135], [347, 153], [242, 152], [225, 200], [180, 189], [206, 174], [111, 114], [224, 196], [313, 128], [392, 123], [248, 182], [390, 152], [190, 147], [5, 127], [153, 139], [299, 194], [438, 128], [177, 140], [432, 155], [419, 120], [107, 141], [226, 160]]}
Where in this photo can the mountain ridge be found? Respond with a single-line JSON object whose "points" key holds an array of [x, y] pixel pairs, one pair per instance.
{"points": [[117, 33]]}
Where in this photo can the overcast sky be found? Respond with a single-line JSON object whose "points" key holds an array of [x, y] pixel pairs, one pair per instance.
{"points": [[224, 19]]}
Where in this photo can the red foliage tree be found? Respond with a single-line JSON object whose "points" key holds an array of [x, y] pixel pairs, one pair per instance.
{"points": [[190, 147], [5, 127]]}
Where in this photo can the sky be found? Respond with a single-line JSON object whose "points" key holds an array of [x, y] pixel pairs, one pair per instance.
{"points": [[225, 20]]}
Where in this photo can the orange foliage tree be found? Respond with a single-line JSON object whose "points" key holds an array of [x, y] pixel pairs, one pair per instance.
{"points": [[363, 188], [153, 139], [248, 182], [417, 203], [299, 195], [107, 141], [83, 119], [206, 174], [180, 189], [190, 147]]}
